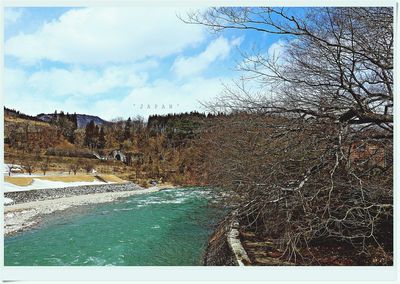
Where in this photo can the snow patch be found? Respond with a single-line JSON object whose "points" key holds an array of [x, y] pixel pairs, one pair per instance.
{"points": [[15, 168], [8, 200], [43, 184]]}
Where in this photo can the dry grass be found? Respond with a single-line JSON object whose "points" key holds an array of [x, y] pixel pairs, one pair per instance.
{"points": [[22, 120], [20, 181], [112, 178], [25, 181], [64, 144], [70, 178]]}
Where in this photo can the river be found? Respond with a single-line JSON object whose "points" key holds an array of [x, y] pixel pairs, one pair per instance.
{"points": [[169, 227]]}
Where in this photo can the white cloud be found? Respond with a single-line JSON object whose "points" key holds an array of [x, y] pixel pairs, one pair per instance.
{"points": [[150, 99], [104, 50], [218, 49], [51, 90], [12, 15], [72, 82], [100, 35], [276, 49]]}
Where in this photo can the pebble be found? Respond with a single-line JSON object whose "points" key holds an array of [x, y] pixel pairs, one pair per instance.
{"points": [[53, 193]]}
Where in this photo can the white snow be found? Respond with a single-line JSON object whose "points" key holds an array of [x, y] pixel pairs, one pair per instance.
{"points": [[7, 200], [25, 175], [42, 184], [18, 168]]}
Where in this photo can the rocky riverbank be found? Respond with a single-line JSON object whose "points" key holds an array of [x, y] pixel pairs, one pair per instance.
{"points": [[29, 207], [18, 197]]}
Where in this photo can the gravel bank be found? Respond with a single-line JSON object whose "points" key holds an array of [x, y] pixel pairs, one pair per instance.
{"points": [[29, 207], [53, 193]]}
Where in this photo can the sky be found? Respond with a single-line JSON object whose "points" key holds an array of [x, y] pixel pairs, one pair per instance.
{"points": [[117, 62]]}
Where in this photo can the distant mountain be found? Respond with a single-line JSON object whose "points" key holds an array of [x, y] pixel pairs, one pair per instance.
{"points": [[45, 117], [82, 119]]}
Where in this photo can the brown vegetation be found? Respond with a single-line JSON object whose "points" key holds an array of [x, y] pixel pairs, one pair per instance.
{"points": [[310, 166], [151, 152]]}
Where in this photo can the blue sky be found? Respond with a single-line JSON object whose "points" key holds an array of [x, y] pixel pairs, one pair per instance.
{"points": [[117, 62]]}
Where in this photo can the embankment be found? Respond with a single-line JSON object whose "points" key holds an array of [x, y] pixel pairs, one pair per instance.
{"points": [[53, 193], [224, 246]]}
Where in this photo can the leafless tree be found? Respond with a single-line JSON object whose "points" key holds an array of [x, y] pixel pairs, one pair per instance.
{"points": [[29, 167], [37, 153], [88, 167], [44, 166], [74, 167], [308, 156], [10, 167], [12, 137], [334, 63]]}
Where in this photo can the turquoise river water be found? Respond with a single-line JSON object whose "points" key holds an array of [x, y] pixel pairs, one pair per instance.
{"points": [[170, 227]]}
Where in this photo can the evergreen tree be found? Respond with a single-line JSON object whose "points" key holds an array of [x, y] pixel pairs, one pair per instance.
{"points": [[127, 129], [90, 136], [75, 120], [102, 138]]}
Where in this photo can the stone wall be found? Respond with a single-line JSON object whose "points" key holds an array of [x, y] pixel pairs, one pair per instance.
{"points": [[224, 247]]}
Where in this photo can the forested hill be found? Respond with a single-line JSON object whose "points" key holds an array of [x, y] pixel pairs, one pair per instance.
{"points": [[186, 122], [18, 114], [161, 148], [81, 119]]}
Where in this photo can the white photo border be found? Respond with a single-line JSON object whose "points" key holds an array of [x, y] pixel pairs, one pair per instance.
{"points": [[187, 273]]}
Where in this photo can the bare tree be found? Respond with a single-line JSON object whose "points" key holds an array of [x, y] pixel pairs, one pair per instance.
{"points": [[299, 155], [88, 166], [74, 167], [44, 166], [29, 167], [334, 63], [12, 137], [10, 167], [37, 152], [299, 181]]}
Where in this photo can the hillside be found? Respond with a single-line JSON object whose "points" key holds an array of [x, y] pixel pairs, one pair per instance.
{"points": [[162, 149], [14, 114], [25, 133], [82, 119]]}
